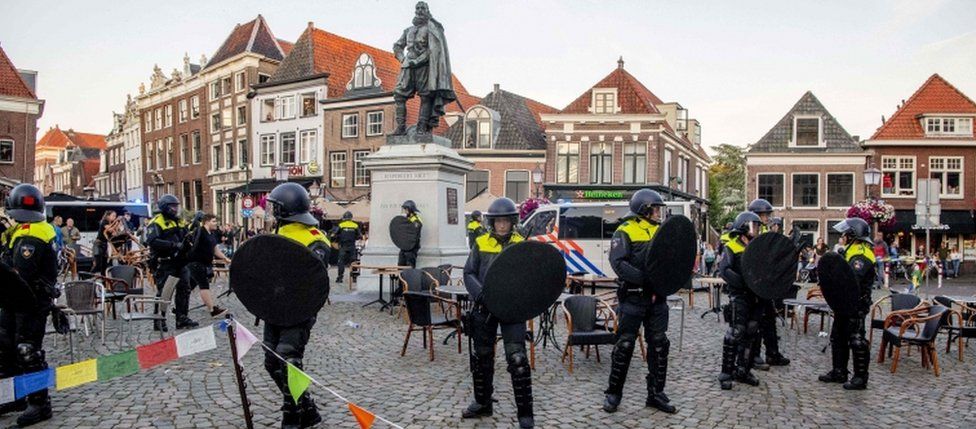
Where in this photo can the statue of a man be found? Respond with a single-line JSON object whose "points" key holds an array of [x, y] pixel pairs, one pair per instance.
{"points": [[425, 70]]}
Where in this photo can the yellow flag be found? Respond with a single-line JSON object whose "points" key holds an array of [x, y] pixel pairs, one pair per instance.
{"points": [[76, 374]]}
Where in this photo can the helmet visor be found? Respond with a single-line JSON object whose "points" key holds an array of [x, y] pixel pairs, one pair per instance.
{"points": [[842, 227]]}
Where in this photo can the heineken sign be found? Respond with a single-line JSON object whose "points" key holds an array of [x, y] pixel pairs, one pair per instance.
{"points": [[599, 194]]}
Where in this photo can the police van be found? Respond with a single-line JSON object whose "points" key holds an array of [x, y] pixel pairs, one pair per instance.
{"points": [[582, 231], [88, 213]]}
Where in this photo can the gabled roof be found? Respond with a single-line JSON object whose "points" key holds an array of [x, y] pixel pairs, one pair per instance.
{"points": [[254, 36], [519, 121], [936, 95], [777, 139], [632, 96], [11, 84], [56, 138]]}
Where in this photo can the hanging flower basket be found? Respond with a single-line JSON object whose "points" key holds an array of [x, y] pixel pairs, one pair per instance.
{"points": [[529, 205], [873, 211]]}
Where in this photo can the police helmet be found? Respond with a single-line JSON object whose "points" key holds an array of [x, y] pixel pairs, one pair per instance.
{"points": [[855, 228], [347, 215], [502, 207], [760, 206], [777, 221], [746, 223], [410, 206], [291, 203], [642, 203], [169, 206], [476, 215], [25, 203]]}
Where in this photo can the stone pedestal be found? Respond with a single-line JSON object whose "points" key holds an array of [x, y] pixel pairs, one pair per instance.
{"points": [[432, 175]]}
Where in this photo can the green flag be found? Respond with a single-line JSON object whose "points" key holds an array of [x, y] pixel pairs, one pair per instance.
{"points": [[298, 382], [117, 365]]}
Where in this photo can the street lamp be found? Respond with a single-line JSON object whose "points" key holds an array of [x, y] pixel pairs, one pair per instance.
{"points": [[537, 178], [314, 190], [281, 173], [872, 177]]}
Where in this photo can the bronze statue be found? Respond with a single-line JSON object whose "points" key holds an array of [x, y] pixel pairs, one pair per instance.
{"points": [[425, 70]]}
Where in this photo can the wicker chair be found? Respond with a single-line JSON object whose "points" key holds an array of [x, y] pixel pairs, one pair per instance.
{"points": [[897, 302], [84, 299], [917, 327]]}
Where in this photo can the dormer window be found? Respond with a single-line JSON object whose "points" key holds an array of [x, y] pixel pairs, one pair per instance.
{"points": [[364, 74], [479, 128], [943, 126], [604, 101], [807, 131]]}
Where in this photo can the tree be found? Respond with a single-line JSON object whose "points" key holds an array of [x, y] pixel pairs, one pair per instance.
{"points": [[726, 179]]}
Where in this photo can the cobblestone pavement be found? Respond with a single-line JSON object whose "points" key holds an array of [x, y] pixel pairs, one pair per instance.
{"points": [[364, 365]]}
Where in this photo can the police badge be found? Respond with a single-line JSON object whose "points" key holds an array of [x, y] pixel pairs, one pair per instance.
{"points": [[27, 250]]}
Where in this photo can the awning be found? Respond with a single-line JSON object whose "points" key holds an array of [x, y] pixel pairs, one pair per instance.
{"points": [[953, 222], [260, 186], [331, 209], [359, 210], [480, 203]]}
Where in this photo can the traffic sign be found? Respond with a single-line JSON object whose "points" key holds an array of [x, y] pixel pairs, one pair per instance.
{"points": [[247, 213], [247, 202]]}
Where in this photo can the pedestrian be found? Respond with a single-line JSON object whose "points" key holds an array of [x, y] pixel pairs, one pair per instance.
{"points": [[821, 247], [59, 235], [639, 307], [502, 216], [709, 256], [290, 206], [956, 259], [200, 262], [29, 250], [743, 311], [943, 254], [165, 236], [100, 245], [346, 233], [408, 258], [69, 233], [847, 333]]}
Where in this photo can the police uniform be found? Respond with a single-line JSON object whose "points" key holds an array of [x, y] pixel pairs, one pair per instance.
{"points": [[743, 311], [30, 250], [408, 258], [165, 238], [483, 330], [768, 331], [847, 334], [475, 230], [638, 306], [346, 234]]}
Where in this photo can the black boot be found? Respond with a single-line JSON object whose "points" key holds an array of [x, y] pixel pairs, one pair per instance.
{"points": [[526, 422], [291, 414], [657, 374], [477, 410], [834, 376], [660, 402], [482, 374], [759, 363], [619, 365], [184, 322], [310, 412], [728, 362], [725, 381], [861, 358], [744, 375], [518, 367], [160, 325], [38, 409], [776, 359]]}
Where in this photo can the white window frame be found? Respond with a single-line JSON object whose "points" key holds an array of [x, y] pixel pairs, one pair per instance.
{"points": [[281, 145], [349, 131], [215, 125], [184, 111], [195, 150], [307, 143], [301, 106], [370, 123], [215, 162], [241, 118], [228, 159], [194, 107], [896, 170], [615, 103], [569, 155], [285, 107], [783, 175], [267, 149], [184, 150], [941, 123], [226, 118], [820, 131], [668, 156], [170, 153], [240, 81], [215, 89], [962, 176], [345, 168], [148, 121], [819, 188], [642, 167], [168, 114], [13, 151], [599, 167], [528, 191], [816, 234], [242, 149], [827, 187], [357, 164], [158, 118]]}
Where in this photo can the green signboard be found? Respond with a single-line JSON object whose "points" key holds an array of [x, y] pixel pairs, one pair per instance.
{"points": [[602, 195]]}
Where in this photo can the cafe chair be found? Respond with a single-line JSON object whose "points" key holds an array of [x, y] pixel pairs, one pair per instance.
{"points": [[581, 324], [896, 302], [917, 327], [163, 301], [83, 299], [421, 317], [815, 294], [964, 326]]}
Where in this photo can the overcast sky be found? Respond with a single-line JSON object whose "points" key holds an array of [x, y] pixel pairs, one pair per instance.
{"points": [[738, 66]]}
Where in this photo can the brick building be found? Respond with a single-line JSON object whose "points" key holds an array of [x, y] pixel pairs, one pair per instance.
{"points": [[809, 168], [930, 136], [503, 134], [116, 168], [67, 161], [19, 111], [618, 137]]}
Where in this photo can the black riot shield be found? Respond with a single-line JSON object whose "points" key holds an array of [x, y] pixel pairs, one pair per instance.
{"points": [[838, 283], [405, 234], [279, 280], [16, 293], [769, 266], [670, 258], [524, 281]]}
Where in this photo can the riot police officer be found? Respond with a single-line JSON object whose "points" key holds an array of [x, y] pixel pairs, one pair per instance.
{"points": [[502, 217], [346, 234], [30, 251], [475, 228], [638, 305], [847, 333], [409, 257], [767, 322], [166, 236], [290, 206], [743, 311]]}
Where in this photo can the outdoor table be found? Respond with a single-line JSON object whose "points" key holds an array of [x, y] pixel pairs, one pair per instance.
{"points": [[390, 271], [714, 285], [459, 294], [579, 283], [798, 306]]}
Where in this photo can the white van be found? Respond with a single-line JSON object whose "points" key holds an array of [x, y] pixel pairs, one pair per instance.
{"points": [[582, 231], [87, 214]]}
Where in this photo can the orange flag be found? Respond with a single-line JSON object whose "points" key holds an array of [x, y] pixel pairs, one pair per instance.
{"points": [[365, 418]]}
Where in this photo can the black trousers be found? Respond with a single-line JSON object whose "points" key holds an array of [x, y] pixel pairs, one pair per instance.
{"points": [[846, 338], [743, 314], [16, 329], [99, 258], [289, 343], [408, 258], [182, 301], [199, 275], [636, 310], [767, 329], [483, 329], [346, 256]]}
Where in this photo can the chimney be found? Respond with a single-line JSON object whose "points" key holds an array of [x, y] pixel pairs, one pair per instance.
{"points": [[497, 87], [311, 25], [882, 119], [620, 62]]}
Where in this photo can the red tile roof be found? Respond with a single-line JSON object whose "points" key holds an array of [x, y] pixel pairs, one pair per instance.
{"points": [[538, 109], [285, 46], [11, 84], [53, 138], [632, 96], [936, 95], [56, 138], [253, 36], [87, 140]]}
